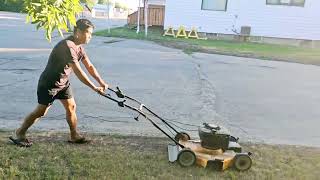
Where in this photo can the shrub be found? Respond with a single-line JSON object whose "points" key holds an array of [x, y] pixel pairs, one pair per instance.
{"points": [[11, 5]]}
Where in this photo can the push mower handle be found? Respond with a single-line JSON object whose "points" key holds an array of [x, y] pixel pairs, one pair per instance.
{"points": [[120, 103], [123, 104], [118, 92]]}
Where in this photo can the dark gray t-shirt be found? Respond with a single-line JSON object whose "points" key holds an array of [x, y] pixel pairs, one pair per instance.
{"points": [[57, 72]]}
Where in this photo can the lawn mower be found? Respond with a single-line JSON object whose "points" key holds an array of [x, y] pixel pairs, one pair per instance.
{"points": [[216, 148]]}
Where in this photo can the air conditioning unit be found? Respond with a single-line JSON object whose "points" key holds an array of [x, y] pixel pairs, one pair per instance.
{"points": [[245, 30]]}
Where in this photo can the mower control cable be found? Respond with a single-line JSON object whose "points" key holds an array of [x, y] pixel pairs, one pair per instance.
{"points": [[122, 104], [119, 93]]}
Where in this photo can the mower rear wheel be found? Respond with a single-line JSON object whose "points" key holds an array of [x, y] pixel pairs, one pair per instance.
{"points": [[242, 162], [182, 136], [186, 158]]}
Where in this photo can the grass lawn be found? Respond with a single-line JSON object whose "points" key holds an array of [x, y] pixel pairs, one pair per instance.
{"points": [[243, 49], [123, 157]]}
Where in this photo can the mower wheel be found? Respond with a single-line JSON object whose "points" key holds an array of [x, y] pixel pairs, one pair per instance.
{"points": [[186, 158], [242, 162], [182, 136]]}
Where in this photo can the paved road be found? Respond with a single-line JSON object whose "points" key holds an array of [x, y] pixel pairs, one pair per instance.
{"points": [[272, 102]]}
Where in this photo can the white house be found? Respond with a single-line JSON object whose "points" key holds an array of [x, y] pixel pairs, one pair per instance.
{"points": [[157, 2], [294, 19], [100, 10]]}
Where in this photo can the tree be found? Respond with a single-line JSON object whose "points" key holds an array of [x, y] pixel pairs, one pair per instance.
{"points": [[106, 2], [124, 6], [121, 5], [54, 14], [117, 5], [11, 5]]}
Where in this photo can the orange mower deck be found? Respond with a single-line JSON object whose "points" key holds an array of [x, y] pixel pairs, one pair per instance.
{"points": [[194, 153]]}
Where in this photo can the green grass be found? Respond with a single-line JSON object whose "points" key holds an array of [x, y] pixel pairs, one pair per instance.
{"points": [[235, 48], [121, 157]]}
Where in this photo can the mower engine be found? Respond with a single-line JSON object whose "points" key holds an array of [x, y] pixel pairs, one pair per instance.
{"points": [[217, 137]]}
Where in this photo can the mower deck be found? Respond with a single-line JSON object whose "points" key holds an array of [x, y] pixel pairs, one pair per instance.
{"points": [[216, 159]]}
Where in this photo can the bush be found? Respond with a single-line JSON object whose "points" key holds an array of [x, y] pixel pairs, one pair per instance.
{"points": [[11, 5]]}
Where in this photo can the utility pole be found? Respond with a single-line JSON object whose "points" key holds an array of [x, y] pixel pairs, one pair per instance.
{"points": [[146, 18], [138, 18], [108, 15]]}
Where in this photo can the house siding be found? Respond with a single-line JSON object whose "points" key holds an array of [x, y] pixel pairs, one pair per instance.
{"points": [[157, 2], [265, 20]]}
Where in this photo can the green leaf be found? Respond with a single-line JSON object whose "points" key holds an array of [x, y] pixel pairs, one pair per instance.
{"points": [[36, 4], [27, 19], [38, 26], [35, 22], [52, 14], [61, 33]]}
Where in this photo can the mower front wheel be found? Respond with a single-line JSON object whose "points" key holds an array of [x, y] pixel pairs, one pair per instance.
{"points": [[182, 136], [186, 158], [242, 162]]}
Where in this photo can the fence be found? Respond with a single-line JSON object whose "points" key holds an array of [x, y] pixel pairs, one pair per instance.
{"points": [[155, 16]]}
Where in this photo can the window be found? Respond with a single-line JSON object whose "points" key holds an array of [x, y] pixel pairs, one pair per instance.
{"points": [[287, 2], [214, 5]]}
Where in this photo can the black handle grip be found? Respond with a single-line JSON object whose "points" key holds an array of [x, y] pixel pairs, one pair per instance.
{"points": [[119, 93]]}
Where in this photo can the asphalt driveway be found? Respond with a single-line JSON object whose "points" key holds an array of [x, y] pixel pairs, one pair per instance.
{"points": [[258, 100]]}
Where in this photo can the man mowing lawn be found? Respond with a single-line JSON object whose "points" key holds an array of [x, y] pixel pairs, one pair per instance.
{"points": [[54, 82]]}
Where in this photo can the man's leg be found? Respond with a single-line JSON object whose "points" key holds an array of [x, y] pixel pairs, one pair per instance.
{"points": [[29, 120], [70, 107]]}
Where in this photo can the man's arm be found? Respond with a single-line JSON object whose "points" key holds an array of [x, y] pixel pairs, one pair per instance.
{"points": [[82, 76], [93, 72]]}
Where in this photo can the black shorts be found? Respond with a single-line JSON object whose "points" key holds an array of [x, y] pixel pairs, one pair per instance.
{"points": [[47, 96]]}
